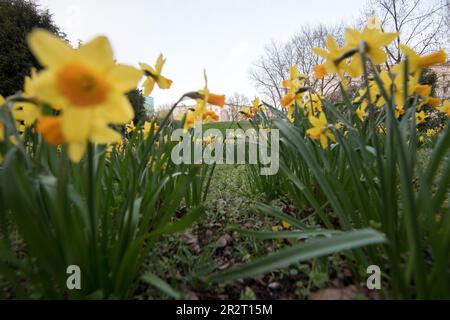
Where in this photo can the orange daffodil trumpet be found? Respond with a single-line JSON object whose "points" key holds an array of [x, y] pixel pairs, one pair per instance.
{"points": [[89, 86], [153, 75], [51, 130]]}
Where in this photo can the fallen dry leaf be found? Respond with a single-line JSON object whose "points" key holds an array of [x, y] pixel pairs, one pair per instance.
{"points": [[192, 241], [225, 240]]}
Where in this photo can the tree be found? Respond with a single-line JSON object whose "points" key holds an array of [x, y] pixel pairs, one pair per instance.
{"points": [[422, 25], [137, 101], [17, 19], [273, 67], [235, 104]]}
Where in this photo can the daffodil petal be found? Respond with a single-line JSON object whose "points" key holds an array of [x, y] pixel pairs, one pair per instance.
{"points": [[97, 53], [77, 150], [101, 134], [324, 141], [46, 89], [124, 78], [164, 83], [116, 110], [378, 56], [49, 49], [76, 124], [148, 86], [146, 67], [159, 64]]}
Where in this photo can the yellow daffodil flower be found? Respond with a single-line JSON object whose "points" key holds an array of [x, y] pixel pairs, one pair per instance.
{"points": [[190, 120], [430, 132], [89, 86], [399, 111], [421, 117], [320, 130], [434, 102], [130, 127], [148, 126], [153, 75], [249, 113], [256, 104], [294, 93], [313, 103], [285, 225], [201, 113], [374, 39], [399, 90], [210, 115], [332, 64], [417, 62], [423, 90], [27, 112], [445, 108], [361, 111]]}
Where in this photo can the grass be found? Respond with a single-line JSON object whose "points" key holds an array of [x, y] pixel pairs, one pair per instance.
{"points": [[212, 245], [223, 126]]}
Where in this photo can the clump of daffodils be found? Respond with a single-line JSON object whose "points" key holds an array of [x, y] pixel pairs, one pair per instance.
{"points": [[348, 61]]}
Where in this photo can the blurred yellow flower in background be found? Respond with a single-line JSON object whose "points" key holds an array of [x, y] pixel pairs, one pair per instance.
{"points": [[201, 113], [445, 108], [421, 117], [320, 71], [294, 95], [320, 130], [153, 75], [333, 62], [417, 62], [431, 132], [27, 112], [148, 126], [89, 86], [130, 127], [361, 111]]}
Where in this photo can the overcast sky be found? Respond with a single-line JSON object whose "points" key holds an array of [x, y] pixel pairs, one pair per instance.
{"points": [[222, 36]]}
